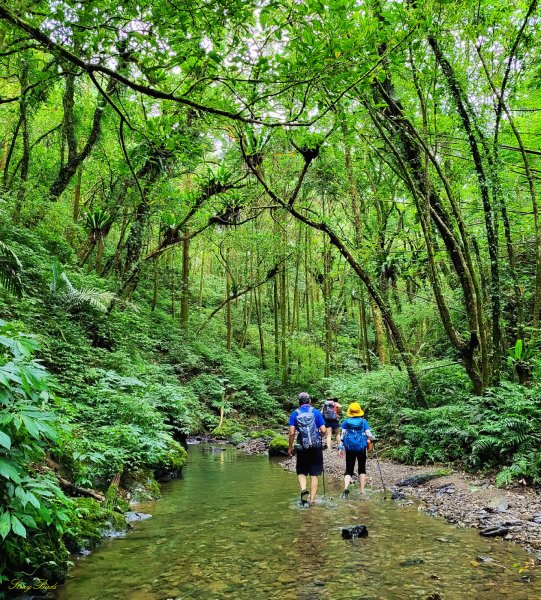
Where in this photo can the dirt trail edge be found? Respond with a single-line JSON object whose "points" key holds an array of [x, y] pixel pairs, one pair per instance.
{"points": [[462, 499]]}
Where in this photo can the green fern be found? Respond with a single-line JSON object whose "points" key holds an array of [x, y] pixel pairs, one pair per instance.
{"points": [[10, 270], [73, 297]]}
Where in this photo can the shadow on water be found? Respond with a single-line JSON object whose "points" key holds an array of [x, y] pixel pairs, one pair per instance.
{"points": [[233, 528]]}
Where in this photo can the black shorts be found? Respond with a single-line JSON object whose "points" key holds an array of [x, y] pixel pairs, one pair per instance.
{"points": [[351, 457], [310, 461], [332, 424]]}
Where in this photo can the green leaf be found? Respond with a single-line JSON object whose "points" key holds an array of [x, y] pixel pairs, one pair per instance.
{"points": [[32, 499], [5, 440], [17, 527], [8, 471], [5, 524], [28, 520], [31, 426]]}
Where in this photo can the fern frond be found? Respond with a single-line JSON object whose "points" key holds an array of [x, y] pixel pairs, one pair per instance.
{"points": [[96, 299], [486, 443], [10, 270]]}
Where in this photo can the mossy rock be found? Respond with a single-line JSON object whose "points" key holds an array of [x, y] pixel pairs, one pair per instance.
{"points": [[143, 486], [278, 446], [228, 428], [264, 434], [237, 438], [90, 522]]}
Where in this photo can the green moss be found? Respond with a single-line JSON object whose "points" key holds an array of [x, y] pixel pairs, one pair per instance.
{"points": [[143, 486], [278, 446], [237, 438], [228, 428], [265, 434], [90, 521]]}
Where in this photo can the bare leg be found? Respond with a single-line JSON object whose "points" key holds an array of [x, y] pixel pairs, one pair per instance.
{"points": [[313, 488], [329, 438], [362, 479], [347, 481], [302, 482]]}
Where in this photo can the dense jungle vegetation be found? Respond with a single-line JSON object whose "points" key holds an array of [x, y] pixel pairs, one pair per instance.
{"points": [[206, 207]]}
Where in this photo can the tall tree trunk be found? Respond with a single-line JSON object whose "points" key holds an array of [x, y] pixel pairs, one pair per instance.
{"points": [[276, 324], [258, 307], [283, 317], [185, 282], [466, 114], [364, 332], [228, 305], [25, 161], [77, 195]]}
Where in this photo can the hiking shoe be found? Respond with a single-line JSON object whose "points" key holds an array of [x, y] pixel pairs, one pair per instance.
{"points": [[304, 493], [345, 494]]}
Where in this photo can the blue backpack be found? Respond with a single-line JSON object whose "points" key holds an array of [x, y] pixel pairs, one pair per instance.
{"points": [[309, 435], [355, 437]]}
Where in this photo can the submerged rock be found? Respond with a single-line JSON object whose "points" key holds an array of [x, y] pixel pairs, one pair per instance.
{"points": [[356, 531], [132, 516], [397, 495], [411, 562], [485, 559]]}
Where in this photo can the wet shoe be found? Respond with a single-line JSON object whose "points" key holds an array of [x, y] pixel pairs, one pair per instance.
{"points": [[304, 493], [345, 494]]}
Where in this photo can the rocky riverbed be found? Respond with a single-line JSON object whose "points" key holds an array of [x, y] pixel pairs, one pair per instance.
{"points": [[462, 499]]}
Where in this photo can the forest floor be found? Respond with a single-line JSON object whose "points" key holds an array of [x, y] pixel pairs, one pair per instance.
{"points": [[463, 499]]}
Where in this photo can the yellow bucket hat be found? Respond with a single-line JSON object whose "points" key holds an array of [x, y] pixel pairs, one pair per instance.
{"points": [[355, 410]]}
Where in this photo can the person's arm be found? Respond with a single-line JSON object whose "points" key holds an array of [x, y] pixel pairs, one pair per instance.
{"points": [[367, 431], [341, 434], [291, 439]]}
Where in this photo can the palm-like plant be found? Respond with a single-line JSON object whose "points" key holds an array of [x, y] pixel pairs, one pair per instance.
{"points": [[73, 297], [10, 270]]}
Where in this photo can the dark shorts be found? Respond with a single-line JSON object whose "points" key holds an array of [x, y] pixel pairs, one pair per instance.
{"points": [[332, 424], [310, 461], [351, 457]]}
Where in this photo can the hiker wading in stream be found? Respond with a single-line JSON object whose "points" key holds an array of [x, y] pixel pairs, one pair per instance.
{"points": [[309, 425], [331, 412], [356, 437]]}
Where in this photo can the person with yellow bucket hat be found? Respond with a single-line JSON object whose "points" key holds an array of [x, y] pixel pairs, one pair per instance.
{"points": [[354, 438]]}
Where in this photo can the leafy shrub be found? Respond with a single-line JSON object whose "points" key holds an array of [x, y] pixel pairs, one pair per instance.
{"points": [[33, 509]]}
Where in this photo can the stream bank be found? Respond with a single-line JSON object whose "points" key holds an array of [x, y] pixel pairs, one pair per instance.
{"points": [[464, 500]]}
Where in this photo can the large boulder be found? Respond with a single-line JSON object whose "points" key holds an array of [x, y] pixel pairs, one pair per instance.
{"points": [[278, 446]]}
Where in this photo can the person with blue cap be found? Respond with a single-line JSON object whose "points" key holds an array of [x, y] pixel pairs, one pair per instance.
{"points": [[309, 425]]}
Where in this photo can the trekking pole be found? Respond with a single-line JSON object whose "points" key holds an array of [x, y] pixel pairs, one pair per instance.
{"points": [[380, 473], [323, 471]]}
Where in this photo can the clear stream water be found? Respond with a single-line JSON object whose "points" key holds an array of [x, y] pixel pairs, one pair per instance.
{"points": [[232, 528]]}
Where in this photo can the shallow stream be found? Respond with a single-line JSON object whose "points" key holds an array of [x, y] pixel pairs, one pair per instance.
{"points": [[232, 528]]}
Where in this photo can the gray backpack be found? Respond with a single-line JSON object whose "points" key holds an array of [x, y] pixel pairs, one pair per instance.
{"points": [[328, 410], [309, 435]]}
